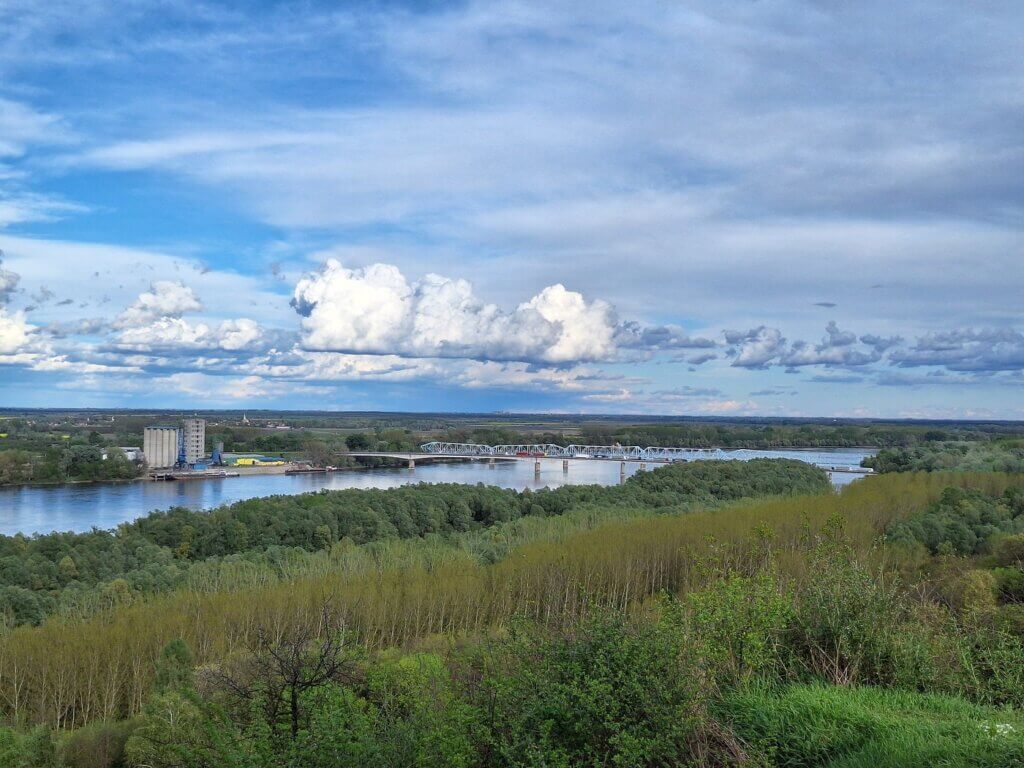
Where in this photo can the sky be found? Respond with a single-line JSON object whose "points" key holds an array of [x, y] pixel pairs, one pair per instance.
{"points": [[748, 208]]}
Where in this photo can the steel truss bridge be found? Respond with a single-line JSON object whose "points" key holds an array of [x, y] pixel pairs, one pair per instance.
{"points": [[608, 452], [552, 451]]}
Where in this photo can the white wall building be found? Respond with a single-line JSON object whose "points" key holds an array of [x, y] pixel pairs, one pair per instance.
{"points": [[195, 439]]}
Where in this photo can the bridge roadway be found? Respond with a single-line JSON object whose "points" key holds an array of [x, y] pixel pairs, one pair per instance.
{"points": [[633, 453]]}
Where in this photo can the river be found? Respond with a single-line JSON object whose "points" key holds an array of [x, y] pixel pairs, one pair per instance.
{"points": [[80, 507]]}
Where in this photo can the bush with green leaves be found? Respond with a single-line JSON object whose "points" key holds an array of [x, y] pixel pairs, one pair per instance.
{"points": [[738, 626], [607, 692], [945, 456], [963, 521], [97, 745]]}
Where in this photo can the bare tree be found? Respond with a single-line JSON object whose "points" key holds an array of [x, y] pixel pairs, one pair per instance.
{"points": [[279, 667]]}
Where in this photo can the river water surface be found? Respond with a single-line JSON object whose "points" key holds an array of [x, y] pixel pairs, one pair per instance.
{"points": [[41, 509]]}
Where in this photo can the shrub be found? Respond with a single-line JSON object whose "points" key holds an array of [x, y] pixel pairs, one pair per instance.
{"points": [[963, 521], [989, 664], [1010, 619], [1009, 584], [1009, 550], [853, 625], [738, 626], [98, 745], [604, 693], [974, 593]]}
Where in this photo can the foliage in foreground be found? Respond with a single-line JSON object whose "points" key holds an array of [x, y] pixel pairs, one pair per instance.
{"points": [[787, 637], [848, 669], [808, 725], [68, 672]]}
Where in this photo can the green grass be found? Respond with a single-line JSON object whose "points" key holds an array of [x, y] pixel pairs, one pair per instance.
{"points": [[801, 726]]}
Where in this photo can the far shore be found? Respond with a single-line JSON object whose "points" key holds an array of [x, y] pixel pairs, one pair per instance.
{"points": [[284, 468]]}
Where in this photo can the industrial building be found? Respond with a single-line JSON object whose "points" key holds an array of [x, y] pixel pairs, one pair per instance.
{"points": [[132, 453], [167, 446], [252, 460], [160, 446], [194, 435]]}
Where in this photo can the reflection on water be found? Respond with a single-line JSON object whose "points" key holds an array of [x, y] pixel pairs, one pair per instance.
{"points": [[82, 507]]}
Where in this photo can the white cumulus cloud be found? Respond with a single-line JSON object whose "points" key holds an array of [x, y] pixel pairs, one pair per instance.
{"points": [[164, 299], [15, 332], [155, 320], [376, 310], [757, 347]]}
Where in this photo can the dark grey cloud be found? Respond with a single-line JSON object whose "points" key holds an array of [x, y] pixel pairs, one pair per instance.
{"points": [[43, 295], [774, 392], [880, 343], [966, 349], [763, 346], [8, 282], [755, 348], [701, 357], [632, 335], [84, 327], [690, 391], [943, 378], [836, 379]]}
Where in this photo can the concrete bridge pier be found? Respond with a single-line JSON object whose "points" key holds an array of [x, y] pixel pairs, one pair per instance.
{"points": [[536, 466], [490, 462], [412, 463], [565, 465], [622, 471], [643, 466]]}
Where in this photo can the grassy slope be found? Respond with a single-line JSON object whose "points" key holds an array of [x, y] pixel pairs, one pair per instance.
{"points": [[818, 725]]}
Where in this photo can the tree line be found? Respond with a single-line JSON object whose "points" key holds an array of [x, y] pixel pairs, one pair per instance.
{"points": [[1004, 455], [727, 435], [43, 574]]}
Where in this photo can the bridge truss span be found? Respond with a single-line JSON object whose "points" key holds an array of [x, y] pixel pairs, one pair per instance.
{"points": [[550, 450], [457, 449], [606, 452]]}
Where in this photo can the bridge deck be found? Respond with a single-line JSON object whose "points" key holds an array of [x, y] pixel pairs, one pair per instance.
{"points": [[635, 453], [413, 456]]}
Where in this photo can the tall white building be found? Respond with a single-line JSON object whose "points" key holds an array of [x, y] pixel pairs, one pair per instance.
{"points": [[160, 446], [195, 439]]}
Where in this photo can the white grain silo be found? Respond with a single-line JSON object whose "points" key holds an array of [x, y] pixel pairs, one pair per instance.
{"points": [[160, 445]]}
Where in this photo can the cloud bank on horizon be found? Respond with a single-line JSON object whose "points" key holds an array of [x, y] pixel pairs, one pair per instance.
{"points": [[779, 208]]}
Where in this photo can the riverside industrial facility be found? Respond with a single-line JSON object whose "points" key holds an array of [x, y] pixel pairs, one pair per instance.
{"points": [[183, 450]]}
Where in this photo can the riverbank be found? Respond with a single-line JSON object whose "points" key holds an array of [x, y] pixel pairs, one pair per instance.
{"points": [[81, 507], [59, 483]]}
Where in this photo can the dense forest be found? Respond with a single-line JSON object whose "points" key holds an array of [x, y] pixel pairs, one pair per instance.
{"points": [[41, 459], [730, 435], [1003, 455], [707, 614], [73, 572]]}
